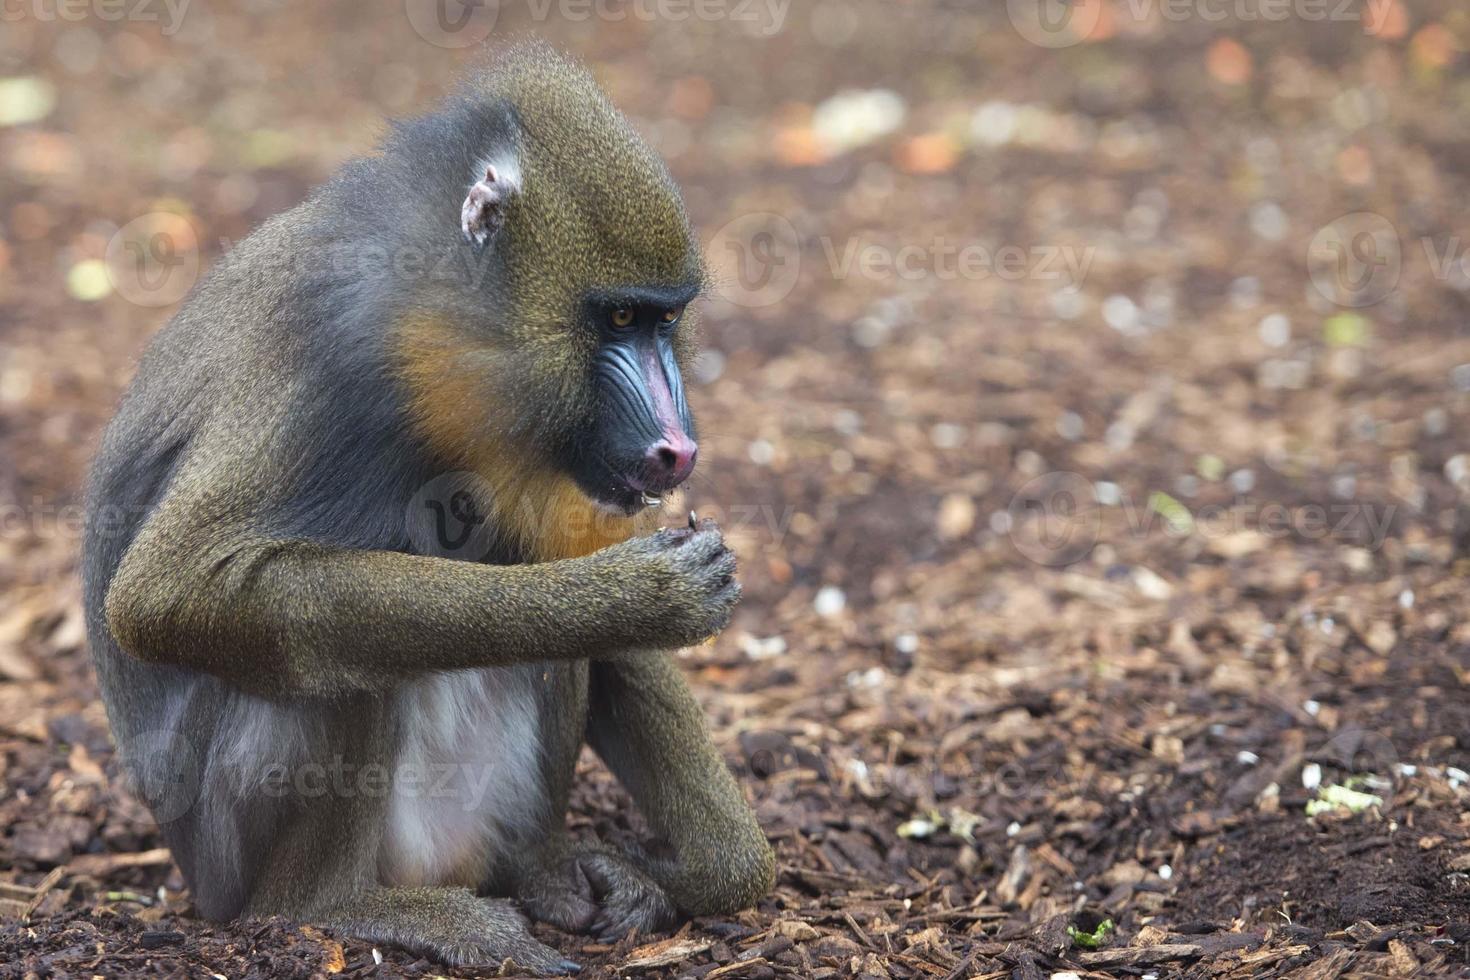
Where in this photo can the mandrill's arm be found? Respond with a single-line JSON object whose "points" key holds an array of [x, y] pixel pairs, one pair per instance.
{"points": [[200, 587], [648, 728]]}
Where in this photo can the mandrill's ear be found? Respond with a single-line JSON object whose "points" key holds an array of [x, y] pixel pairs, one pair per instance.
{"points": [[483, 211]]}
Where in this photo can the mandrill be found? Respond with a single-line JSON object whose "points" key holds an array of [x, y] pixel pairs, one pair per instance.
{"points": [[368, 556]]}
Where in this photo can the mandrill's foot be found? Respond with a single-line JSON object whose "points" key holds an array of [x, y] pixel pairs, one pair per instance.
{"points": [[450, 925], [596, 891]]}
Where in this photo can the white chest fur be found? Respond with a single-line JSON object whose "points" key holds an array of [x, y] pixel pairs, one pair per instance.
{"points": [[466, 778]]}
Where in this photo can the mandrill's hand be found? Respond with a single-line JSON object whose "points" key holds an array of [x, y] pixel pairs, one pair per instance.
{"points": [[681, 580]]}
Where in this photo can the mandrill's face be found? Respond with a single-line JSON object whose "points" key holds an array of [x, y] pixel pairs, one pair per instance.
{"points": [[640, 438]]}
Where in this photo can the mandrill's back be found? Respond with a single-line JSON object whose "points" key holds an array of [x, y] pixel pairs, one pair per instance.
{"points": [[220, 393], [271, 401]]}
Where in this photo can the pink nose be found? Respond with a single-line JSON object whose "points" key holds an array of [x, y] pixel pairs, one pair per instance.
{"points": [[671, 460]]}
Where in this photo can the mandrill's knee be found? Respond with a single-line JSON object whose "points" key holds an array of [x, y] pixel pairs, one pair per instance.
{"points": [[737, 875]]}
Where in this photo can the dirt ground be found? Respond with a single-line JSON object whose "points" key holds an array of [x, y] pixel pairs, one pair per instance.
{"points": [[1090, 419]]}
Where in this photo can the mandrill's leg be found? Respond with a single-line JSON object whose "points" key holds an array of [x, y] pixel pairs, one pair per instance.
{"points": [[322, 868], [448, 924], [646, 725], [575, 886]]}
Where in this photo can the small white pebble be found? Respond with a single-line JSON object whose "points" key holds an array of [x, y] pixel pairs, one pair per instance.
{"points": [[947, 435], [757, 648], [377, 957], [1166, 872], [1457, 468], [1406, 599], [1108, 494], [1245, 292], [830, 601], [869, 331], [1405, 769], [1000, 522], [1456, 776], [1275, 330], [1436, 422], [1013, 829], [1120, 313], [1327, 625], [1247, 758], [1119, 436], [993, 123], [1070, 427], [1068, 303], [761, 452], [1311, 776], [1268, 221], [1312, 707], [906, 643], [709, 365]]}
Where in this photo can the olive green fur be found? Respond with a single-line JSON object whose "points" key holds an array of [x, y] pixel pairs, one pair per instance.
{"points": [[252, 594]]}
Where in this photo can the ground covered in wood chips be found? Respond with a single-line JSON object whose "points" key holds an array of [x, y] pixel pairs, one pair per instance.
{"points": [[1089, 419]]}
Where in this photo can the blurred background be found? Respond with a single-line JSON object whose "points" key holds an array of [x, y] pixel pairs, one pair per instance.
{"points": [[1085, 392]]}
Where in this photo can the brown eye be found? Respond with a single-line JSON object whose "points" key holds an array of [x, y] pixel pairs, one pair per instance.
{"points": [[672, 315], [622, 317]]}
